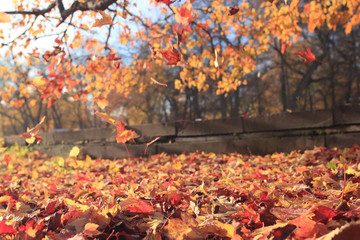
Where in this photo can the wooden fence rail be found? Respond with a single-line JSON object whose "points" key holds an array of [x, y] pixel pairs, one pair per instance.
{"points": [[284, 132]]}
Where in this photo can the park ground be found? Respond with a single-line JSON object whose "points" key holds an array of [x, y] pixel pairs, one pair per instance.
{"points": [[296, 195]]}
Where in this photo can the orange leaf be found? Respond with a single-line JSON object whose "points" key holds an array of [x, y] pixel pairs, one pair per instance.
{"points": [[105, 20], [102, 102], [123, 135], [106, 118], [307, 228], [90, 230], [7, 159], [4, 18], [307, 55]]}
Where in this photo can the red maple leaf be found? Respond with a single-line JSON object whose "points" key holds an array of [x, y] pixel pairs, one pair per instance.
{"points": [[6, 229], [113, 57], [134, 205], [307, 55], [180, 32], [173, 56], [233, 10], [167, 2]]}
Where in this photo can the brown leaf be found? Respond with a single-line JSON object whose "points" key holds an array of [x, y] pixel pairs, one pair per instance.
{"points": [[105, 20], [90, 230], [233, 10], [350, 231]]}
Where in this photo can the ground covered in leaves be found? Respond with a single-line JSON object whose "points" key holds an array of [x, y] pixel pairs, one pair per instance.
{"points": [[301, 195]]}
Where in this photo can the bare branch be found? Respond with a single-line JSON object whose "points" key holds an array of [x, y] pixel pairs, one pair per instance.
{"points": [[20, 35], [35, 12]]}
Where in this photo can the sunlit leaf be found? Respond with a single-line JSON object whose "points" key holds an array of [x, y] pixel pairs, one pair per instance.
{"points": [[106, 118], [74, 152], [4, 18], [183, 14], [105, 20]]}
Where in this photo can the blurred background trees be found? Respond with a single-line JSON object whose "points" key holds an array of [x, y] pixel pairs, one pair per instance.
{"points": [[237, 58]]}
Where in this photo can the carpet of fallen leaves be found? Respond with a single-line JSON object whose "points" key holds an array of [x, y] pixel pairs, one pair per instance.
{"points": [[300, 195]]}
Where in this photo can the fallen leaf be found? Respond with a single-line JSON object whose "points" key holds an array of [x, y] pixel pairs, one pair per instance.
{"points": [[90, 230], [6, 229], [134, 205]]}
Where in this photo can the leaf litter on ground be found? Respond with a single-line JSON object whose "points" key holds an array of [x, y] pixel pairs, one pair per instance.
{"points": [[300, 195]]}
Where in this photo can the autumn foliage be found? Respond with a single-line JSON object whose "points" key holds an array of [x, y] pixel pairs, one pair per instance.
{"points": [[208, 47], [188, 196]]}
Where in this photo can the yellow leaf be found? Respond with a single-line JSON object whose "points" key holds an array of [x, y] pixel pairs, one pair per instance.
{"points": [[102, 103], [74, 151], [30, 140], [39, 82], [32, 103], [5, 198]]}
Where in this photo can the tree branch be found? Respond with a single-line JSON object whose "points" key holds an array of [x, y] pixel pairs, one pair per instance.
{"points": [[86, 6], [35, 12], [65, 13]]}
